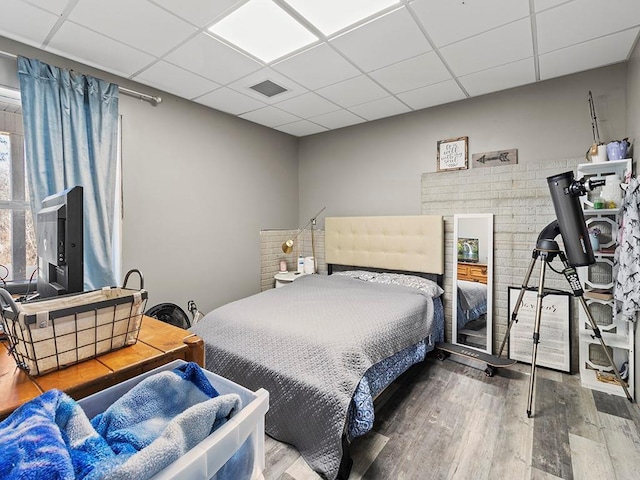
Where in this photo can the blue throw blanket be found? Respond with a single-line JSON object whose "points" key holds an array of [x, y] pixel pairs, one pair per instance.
{"points": [[145, 430]]}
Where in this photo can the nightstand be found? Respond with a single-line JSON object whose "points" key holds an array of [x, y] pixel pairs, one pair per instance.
{"points": [[285, 278]]}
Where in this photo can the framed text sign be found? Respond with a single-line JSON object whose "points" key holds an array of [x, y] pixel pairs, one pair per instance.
{"points": [[554, 348], [453, 154]]}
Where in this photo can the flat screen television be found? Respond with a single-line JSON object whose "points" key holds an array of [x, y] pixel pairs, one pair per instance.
{"points": [[59, 231]]}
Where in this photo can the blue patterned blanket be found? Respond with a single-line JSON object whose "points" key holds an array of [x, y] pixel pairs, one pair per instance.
{"points": [[145, 430]]}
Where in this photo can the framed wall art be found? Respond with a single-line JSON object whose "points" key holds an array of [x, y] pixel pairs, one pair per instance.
{"points": [[453, 154], [493, 159], [554, 349]]}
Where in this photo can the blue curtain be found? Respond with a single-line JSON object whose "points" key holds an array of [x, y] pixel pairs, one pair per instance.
{"points": [[70, 129]]}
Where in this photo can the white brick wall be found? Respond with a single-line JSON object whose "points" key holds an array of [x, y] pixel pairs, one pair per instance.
{"points": [[519, 198], [271, 252], [517, 195]]}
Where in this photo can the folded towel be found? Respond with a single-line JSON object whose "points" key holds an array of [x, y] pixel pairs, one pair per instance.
{"points": [[144, 431]]}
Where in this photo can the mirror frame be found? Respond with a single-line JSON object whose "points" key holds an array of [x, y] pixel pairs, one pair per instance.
{"points": [[454, 280]]}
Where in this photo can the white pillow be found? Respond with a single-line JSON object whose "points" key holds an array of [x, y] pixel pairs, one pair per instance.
{"points": [[425, 285]]}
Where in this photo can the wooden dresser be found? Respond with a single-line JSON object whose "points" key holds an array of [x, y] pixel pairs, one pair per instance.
{"points": [[158, 343], [472, 272]]}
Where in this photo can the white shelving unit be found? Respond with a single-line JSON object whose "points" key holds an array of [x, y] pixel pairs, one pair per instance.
{"points": [[617, 334]]}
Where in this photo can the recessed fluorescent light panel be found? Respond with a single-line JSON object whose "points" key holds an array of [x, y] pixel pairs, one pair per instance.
{"points": [[329, 16], [263, 29]]}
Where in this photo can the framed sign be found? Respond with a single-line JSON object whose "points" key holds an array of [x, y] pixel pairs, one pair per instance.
{"points": [[554, 347], [453, 154], [493, 159]]}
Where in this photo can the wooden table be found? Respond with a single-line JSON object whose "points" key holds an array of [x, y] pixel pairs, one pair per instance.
{"points": [[158, 343]]}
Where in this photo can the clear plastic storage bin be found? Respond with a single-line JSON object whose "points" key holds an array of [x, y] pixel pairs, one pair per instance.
{"points": [[245, 430]]}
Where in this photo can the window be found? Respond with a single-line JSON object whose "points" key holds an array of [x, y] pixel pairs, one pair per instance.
{"points": [[18, 244], [17, 234]]}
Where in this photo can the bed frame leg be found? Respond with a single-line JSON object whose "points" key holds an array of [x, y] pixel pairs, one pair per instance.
{"points": [[346, 462]]}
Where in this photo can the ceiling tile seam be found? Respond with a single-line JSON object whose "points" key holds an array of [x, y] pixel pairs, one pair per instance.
{"points": [[281, 110], [104, 36], [61, 19], [634, 27], [253, 57], [437, 51], [534, 39], [555, 6], [633, 46], [493, 68], [169, 52], [210, 22], [339, 107], [297, 16], [307, 24], [479, 33], [348, 60], [305, 120], [41, 7]]}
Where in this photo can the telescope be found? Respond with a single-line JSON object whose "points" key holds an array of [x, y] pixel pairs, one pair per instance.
{"points": [[565, 192], [570, 225]]}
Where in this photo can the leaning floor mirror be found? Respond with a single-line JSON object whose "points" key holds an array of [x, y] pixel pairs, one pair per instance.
{"points": [[473, 281]]}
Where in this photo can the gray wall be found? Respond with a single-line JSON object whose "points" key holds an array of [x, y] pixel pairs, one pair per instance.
{"points": [[199, 186], [375, 168]]}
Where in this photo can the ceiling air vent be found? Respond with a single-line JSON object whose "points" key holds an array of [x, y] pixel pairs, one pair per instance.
{"points": [[268, 88]]}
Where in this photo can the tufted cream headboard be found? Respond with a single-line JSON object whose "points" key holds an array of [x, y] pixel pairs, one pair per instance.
{"points": [[409, 243]]}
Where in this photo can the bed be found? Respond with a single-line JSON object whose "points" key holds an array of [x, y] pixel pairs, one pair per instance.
{"points": [[325, 346], [472, 302]]}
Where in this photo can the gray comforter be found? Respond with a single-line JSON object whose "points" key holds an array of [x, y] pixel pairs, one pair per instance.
{"points": [[309, 343]]}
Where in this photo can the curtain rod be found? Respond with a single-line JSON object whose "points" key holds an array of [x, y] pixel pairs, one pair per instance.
{"points": [[153, 100]]}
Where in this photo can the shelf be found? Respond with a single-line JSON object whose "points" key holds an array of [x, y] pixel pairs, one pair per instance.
{"points": [[589, 380], [599, 167], [613, 340], [622, 342], [601, 211]]}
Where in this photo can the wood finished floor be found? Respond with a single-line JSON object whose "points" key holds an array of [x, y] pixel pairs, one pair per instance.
{"points": [[445, 420]]}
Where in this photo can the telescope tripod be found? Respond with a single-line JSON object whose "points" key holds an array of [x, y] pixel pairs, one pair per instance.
{"points": [[546, 251]]}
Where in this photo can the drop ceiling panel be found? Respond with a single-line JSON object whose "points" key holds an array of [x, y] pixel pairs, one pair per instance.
{"points": [[499, 46], [54, 6], [398, 52], [307, 105], [270, 117], [381, 42], [584, 56], [337, 119], [541, 5], [121, 20], [416, 72], [230, 101], [500, 78], [450, 21], [212, 59], [583, 20], [385, 107], [198, 12], [317, 67], [91, 48], [301, 128], [353, 91], [438, 94], [175, 80], [32, 32]]}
